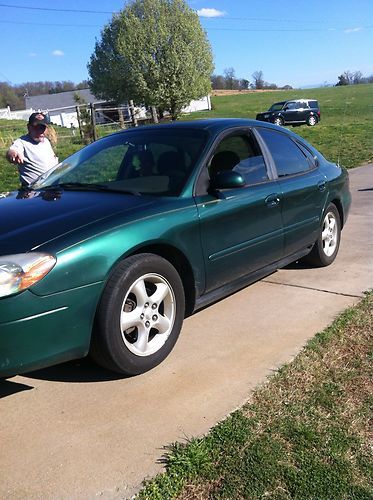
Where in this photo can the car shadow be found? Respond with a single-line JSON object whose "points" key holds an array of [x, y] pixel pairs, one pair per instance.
{"points": [[77, 371], [8, 388], [297, 265]]}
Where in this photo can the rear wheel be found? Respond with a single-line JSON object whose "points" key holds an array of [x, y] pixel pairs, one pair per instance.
{"points": [[326, 248], [278, 121], [312, 120], [140, 315]]}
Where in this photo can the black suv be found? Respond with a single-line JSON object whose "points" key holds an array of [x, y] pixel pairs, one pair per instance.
{"points": [[295, 112]]}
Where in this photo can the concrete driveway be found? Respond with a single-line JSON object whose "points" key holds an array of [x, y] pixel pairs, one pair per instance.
{"points": [[74, 431]]}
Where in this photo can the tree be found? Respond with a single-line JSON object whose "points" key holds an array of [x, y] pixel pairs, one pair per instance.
{"points": [[154, 52], [84, 118], [8, 97], [345, 78], [258, 79], [244, 84], [218, 82], [357, 77], [229, 76]]}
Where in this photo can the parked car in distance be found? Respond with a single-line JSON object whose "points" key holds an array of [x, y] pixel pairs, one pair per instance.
{"points": [[294, 112], [112, 248]]}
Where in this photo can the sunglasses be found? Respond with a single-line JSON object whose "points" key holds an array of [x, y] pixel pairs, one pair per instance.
{"points": [[39, 127]]}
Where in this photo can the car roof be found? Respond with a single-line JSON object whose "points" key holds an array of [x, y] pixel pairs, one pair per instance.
{"points": [[212, 125], [300, 100]]}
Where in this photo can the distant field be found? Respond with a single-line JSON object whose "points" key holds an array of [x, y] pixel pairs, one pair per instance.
{"points": [[345, 132], [346, 128]]}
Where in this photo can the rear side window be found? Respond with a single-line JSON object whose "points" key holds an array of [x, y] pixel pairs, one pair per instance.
{"points": [[288, 157]]}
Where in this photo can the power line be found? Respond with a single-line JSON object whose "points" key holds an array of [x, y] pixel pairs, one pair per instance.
{"points": [[54, 24], [55, 10], [290, 30], [218, 18]]}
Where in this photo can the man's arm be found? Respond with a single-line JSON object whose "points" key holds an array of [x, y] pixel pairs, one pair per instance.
{"points": [[15, 153]]}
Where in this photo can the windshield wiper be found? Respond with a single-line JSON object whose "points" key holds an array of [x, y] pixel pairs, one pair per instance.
{"points": [[85, 186]]}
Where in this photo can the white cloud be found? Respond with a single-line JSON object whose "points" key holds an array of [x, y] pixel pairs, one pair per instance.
{"points": [[58, 53], [210, 13], [353, 30], [32, 54]]}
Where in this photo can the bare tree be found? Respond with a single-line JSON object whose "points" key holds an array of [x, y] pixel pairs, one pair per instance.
{"points": [[218, 82], [258, 79], [230, 76], [357, 77]]}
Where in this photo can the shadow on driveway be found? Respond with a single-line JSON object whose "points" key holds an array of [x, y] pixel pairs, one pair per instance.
{"points": [[81, 370]]}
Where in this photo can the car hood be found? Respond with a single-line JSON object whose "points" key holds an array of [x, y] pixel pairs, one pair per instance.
{"points": [[28, 222]]}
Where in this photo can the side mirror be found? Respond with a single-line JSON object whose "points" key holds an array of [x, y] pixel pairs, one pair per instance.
{"points": [[228, 179]]}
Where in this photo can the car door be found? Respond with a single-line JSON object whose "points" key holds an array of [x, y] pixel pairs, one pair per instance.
{"points": [[303, 189], [290, 112], [241, 228]]}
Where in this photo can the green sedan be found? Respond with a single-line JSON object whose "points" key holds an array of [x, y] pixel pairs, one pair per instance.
{"points": [[111, 249]]}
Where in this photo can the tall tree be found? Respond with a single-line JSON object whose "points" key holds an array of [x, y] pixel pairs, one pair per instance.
{"points": [[154, 52]]}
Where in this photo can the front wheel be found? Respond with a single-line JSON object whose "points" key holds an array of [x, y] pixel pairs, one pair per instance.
{"points": [[140, 315], [326, 248], [312, 121]]}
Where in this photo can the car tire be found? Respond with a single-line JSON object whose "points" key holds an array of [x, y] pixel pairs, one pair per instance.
{"points": [[312, 120], [139, 316], [278, 121], [326, 247]]}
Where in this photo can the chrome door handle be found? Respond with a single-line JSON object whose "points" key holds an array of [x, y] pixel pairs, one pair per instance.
{"points": [[321, 186], [272, 200]]}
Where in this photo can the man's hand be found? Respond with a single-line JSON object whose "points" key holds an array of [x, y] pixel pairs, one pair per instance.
{"points": [[15, 156]]}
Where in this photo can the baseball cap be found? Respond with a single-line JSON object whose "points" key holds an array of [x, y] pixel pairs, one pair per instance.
{"points": [[37, 119]]}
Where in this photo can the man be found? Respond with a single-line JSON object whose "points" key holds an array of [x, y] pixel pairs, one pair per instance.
{"points": [[32, 153]]}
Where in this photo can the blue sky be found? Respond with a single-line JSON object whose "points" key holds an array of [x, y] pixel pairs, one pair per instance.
{"points": [[296, 42]]}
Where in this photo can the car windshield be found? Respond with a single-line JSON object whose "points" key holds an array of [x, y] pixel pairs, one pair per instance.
{"points": [[276, 106], [147, 161]]}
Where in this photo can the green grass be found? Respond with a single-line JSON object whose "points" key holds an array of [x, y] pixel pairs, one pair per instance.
{"points": [[345, 132], [346, 128], [11, 130], [304, 435]]}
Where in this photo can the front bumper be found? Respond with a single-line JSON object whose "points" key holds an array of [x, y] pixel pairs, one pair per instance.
{"points": [[262, 118], [36, 332]]}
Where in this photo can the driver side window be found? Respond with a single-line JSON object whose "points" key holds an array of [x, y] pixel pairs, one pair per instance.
{"points": [[241, 153], [101, 167]]}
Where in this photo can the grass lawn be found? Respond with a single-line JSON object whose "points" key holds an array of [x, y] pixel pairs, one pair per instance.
{"points": [[345, 132], [305, 434], [11, 130]]}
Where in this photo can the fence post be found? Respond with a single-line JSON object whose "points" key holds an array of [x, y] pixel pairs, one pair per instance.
{"points": [[121, 118], [93, 121], [154, 114], [79, 121], [133, 116]]}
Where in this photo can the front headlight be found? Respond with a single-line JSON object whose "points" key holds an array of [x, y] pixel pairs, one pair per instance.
{"points": [[20, 271]]}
